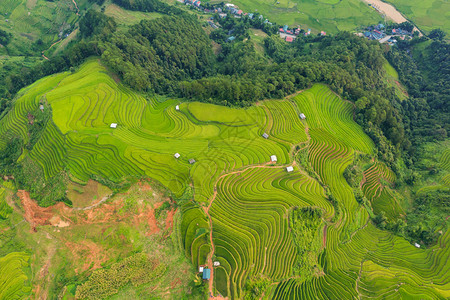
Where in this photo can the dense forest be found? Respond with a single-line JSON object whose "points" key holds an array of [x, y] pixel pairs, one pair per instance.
{"points": [[427, 75]]}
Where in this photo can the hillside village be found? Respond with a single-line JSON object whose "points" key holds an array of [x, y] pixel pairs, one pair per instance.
{"points": [[388, 35], [232, 10], [384, 34]]}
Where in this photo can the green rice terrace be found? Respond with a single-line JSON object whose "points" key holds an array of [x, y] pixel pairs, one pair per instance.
{"points": [[329, 15], [264, 230]]}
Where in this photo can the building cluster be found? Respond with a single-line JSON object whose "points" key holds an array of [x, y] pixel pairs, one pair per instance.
{"points": [[234, 10], [289, 34], [224, 11], [195, 3], [383, 35]]}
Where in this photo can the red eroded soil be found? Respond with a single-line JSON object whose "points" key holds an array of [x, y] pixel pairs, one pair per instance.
{"points": [[152, 223], [148, 216], [35, 214], [169, 219], [175, 283], [400, 86], [89, 252], [101, 214], [144, 186]]}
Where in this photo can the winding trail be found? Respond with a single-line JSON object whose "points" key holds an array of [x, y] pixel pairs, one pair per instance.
{"points": [[93, 205], [43, 52], [43, 55], [76, 6]]}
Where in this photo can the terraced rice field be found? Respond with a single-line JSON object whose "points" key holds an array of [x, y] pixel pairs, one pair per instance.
{"points": [[14, 283], [329, 15], [443, 183], [375, 187], [30, 20], [428, 15], [240, 213], [5, 209]]}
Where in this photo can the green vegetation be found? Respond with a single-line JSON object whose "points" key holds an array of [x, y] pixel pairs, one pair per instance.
{"points": [[5, 209], [35, 25], [125, 18], [427, 15], [250, 233], [136, 269], [305, 226], [331, 16], [364, 213], [14, 281]]}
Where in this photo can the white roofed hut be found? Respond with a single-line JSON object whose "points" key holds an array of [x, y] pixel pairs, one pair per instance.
{"points": [[177, 107], [417, 245], [216, 263], [113, 125], [200, 269], [302, 116], [192, 161], [273, 158], [290, 169], [177, 155], [265, 135]]}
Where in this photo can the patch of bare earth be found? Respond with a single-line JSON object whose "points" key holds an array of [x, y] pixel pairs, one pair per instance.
{"points": [[63, 225], [41, 289], [89, 252], [36, 215], [169, 219]]}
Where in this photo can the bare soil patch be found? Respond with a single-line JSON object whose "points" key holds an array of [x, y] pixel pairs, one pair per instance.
{"points": [[89, 252], [31, 4]]}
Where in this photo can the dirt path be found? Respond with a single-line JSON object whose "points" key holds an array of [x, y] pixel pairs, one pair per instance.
{"points": [[389, 11], [42, 288], [43, 55], [93, 205], [76, 6], [78, 14]]}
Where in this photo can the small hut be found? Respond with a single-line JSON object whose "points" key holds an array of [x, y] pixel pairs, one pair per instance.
{"points": [[177, 107], [177, 155], [273, 158], [206, 274], [265, 135], [113, 125], [192, 161], [290, 169], [302, 116]]}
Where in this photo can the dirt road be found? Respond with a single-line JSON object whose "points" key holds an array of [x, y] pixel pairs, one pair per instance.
{"points": [[390, 11]]}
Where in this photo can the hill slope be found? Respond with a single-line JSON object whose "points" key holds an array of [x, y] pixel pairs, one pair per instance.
{"points": [[300, 234]]}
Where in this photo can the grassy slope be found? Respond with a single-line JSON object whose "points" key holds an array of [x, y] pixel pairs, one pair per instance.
{"points": [[51, 258], [250, 228], [30, 20], [125, 17], [391, 77], [427, 15], [330, 16], [435, 156]]}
